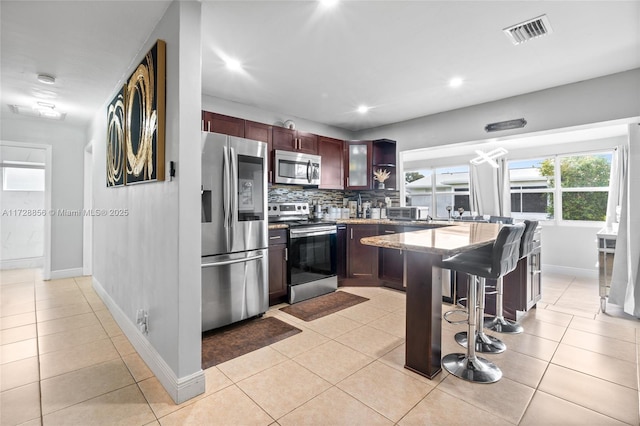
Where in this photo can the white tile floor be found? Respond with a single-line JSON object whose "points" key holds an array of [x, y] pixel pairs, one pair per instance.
{"points": [[64, 360]]}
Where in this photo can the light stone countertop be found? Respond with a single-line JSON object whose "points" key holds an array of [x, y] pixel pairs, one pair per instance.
{"points": [[447, 240]]}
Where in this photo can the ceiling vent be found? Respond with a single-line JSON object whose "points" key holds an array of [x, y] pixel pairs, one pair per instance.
{"points": [[525, 31]]}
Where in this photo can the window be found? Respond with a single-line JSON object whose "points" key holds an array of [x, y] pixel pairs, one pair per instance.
{"points": [[584, 182], [581, 195], [531, 191], [438, 189], [22, 178]]}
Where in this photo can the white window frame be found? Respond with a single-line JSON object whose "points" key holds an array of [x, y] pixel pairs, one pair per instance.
{"points": [[434, 193], [557, 190]]}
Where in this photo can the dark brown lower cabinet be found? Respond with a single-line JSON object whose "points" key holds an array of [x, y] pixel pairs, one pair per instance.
{"points": [[390, 261], [277, 266], [362, 261]]}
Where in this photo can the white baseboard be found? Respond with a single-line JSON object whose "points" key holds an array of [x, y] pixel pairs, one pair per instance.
{"points": [[65, 273], [180, 389], [29, 263], [568, 270]]}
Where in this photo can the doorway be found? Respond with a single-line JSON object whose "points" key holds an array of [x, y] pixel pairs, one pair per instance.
{"points": [[25, 221]]}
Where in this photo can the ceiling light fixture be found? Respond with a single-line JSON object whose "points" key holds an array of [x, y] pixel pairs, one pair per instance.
{"points": [[489, 157], [363, 109], [456, 82], [518, 123], [46, 79], [46, 105], [233, 64], [38, 111]]}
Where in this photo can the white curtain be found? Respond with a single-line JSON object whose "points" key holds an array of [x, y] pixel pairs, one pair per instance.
{"points": [[489, 189], [625, 281], [504, 189], [616, 184]]}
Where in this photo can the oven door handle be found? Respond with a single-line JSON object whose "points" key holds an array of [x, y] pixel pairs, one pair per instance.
{"points": [[310, 233]]}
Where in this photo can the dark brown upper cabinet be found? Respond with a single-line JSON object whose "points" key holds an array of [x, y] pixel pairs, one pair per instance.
{"points": [[218, 123], [294, 140], [358, 155], [263, 133], [332, 169], [384, 158]]}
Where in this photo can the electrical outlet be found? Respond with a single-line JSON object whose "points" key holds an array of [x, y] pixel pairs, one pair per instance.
{"points": [[142, 319]]}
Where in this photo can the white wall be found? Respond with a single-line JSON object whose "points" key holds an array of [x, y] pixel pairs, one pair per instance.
{"points": [[235, 109], [66, 183], [151, 259], [565, 247], [598, 100]]}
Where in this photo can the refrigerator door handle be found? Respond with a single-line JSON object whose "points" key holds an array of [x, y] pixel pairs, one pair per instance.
{"points": [[233, 202], [232, 261], [225, 186]]}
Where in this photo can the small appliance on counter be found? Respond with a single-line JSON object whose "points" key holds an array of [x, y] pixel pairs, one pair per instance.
{"points": [[408, 213], [312, 269]]}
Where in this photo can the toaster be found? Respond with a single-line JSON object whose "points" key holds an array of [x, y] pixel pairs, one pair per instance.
{"points": [[408, 213]]}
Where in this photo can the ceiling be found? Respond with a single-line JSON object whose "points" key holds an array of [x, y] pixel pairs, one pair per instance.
{"points": [[304, 60]]}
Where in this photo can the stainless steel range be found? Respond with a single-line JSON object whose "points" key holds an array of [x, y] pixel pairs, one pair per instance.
{"points": [[312, 251]]}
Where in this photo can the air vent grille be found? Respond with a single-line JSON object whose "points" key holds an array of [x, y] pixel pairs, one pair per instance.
{"points": [[525, 31]]}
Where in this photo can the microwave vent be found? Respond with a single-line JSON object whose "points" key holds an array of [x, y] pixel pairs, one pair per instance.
{"points": [[525, 31]]}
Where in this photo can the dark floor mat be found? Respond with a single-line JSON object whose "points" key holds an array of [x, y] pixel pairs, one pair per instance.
{"points": [[229, 342], [321, 306]]}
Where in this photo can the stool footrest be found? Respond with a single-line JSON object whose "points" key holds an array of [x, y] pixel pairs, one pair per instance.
{"points": [[447, 314]]}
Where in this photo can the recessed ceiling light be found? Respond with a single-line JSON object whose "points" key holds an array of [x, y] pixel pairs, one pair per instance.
{"points": [[329, 3], [363, 109], [233, 64], [46, 78], [456, 82]]}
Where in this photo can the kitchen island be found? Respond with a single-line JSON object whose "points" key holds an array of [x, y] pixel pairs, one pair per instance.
{"points": [[423, 252]]}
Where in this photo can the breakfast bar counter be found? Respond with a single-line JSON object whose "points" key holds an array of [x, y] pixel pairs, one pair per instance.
{"points": [[423, 252]]}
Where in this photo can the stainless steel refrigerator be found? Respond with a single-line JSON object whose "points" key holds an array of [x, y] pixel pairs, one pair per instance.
{"points": [[234, 229]]}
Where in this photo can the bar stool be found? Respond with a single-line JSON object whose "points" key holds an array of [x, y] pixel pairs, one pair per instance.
{"points": [[492, 261], [499, 323]]}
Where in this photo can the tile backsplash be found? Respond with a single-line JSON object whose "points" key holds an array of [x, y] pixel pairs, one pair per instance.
{"points": [[334, 198]]}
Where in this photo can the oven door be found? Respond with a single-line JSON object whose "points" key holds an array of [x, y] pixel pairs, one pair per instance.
{"points": [[312, 262]]}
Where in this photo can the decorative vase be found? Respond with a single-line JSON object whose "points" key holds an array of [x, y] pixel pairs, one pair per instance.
{"points": [[380, 185]]}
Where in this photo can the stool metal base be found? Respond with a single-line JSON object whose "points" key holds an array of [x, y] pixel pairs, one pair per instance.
{"points": [[477, 370], [503, 325], [484, 343]]}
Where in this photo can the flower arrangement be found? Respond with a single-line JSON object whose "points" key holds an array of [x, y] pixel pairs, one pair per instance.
{"points": [[381, 175]]}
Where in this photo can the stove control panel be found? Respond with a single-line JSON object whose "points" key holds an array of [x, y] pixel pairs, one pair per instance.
{"points": [[288, 209]]}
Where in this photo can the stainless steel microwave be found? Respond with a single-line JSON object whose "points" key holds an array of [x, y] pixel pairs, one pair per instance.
{"points": [[296, 168]]}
